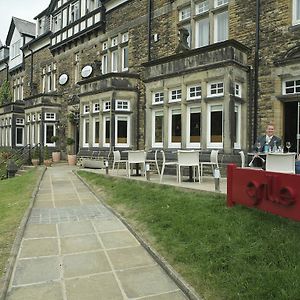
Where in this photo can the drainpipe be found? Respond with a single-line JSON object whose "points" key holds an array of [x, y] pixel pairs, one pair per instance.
{"points": [[31, 70], [138, 119], [256, 71], [149, 28], [7, 68]]}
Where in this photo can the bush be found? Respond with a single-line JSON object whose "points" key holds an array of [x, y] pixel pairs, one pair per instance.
{"points": [[5, 93], [36, 153], [46, 153]]}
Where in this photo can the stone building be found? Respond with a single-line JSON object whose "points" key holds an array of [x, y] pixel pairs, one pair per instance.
{"points": [[193, 74]]}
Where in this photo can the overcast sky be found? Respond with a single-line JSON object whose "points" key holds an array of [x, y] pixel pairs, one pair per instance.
{"points": [[23, 9]]}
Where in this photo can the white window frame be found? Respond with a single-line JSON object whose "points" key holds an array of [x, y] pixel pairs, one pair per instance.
{"points": [[238, 110], [202, 7], [104, 64], [189, 144], [296, 7], [219, 3], [106, 105], [196, 87], [114, 60], [216, 26], [184, 13], [32, 131], [203, 41], [122, 118], [209, 110], [84, 144], [125, 37], [86, 109], [237, 90], [20, 121], [170, 143], [94, 132], [218, 87], [28, 118], [104, 45], [22, 128], [105, 119], [122, 105], [176, 94], [158, 97], [294, 87], [123, 56], [154, 114], [45, 132], [114, 41], [50, 116], [96, 107]]}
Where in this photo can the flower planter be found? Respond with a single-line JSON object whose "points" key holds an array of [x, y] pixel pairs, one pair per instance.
{"points": [[48, 162], [72, 159], [55, 156], [35, 162]]}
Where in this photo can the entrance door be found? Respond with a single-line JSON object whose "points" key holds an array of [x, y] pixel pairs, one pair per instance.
{"points": [[291, 125]]}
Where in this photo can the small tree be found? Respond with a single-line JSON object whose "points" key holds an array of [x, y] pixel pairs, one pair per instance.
{"points": [[70, 143], [36, 153], [46, 153], [5, 93]]}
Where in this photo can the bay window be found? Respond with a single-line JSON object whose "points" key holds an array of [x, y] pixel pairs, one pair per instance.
{"points": [[96, 133], [237, 122], [175, 128], [215, 126], [158, 128], [122, 131], [106, 131], [19, 136], [49, 132], [193, 127], [86, 132]]}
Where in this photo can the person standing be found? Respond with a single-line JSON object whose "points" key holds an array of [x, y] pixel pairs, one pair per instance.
{"points": [[267, 142]]}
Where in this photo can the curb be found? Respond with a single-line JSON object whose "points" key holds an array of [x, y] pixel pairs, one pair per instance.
{"points": [[4, 282], [189, 292]]}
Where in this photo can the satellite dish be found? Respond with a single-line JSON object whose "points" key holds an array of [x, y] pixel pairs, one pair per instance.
{"points": [[86, 71], [63, 79]]}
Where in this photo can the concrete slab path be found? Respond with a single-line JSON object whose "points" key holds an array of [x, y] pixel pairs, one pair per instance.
{"points": [[75, 249]]}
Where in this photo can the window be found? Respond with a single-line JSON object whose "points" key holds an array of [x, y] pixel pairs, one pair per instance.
{"points": [[39, 117], [15, 49], [175, 128], [96, 133], [122, 131], [237, 122], [215, 126], [106, 131], [193, 127], [122, 105], [32, 134], [86, 131], [18, 89], [158, 97], [19, 121], [104, 45], [48, 134], [296, 12], [114, 41], [202, 33], [220, 2], [106, 106], [158, 128], [291, 87], [194, 92], [202, 7], [96, 107], [76, 67], [104, 64], [19, 136], [50, 116], [175, 95], [56, 23], [86, 109], [114, 61], [125, 37], [221, 27], [237, 90], [184, 13], [215, 89], [33, 118], [74, 12], [125, 59], [28, 118], [49, 78]]}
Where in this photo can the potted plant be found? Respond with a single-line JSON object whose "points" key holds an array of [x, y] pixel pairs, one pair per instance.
{"points": [[47, 160], [55, 153], [71, 155], [35, 160]]}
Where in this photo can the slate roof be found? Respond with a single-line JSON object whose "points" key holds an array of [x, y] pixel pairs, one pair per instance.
{"points": [[23, 26]]}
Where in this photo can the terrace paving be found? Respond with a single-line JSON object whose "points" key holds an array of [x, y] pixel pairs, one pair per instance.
{"points": [[75, 248]]}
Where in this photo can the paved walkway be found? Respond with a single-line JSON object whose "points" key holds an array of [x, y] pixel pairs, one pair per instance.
{"points": [[75, 248]]}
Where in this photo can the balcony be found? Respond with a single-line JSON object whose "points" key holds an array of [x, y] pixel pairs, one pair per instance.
{"points": [[209, 57]]}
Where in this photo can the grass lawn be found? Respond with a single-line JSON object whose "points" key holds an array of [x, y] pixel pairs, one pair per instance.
{"points": [[15, 195], [224, 253]]}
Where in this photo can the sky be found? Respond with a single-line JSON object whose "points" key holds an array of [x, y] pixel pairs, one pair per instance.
{"points": [[23, 9]]}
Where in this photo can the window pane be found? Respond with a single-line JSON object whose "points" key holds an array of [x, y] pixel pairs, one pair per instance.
{"points": [[202, 31], [87, 125], [19, 140], [159, 129], [49, 133], [216, 127], [195, 129], [97, 132], [107, 131], [122, 132], [176, 128], [221, 27]]}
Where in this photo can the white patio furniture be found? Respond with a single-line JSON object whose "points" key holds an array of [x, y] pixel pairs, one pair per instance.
{"points": [[168, 163], [136, 157], [118, 160], [188, 158], [213, 162], [281, 162], [154, 161]]}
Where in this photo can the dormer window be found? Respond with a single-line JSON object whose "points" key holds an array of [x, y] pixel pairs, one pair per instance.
{"points": [[15, 49], [74, 12]]}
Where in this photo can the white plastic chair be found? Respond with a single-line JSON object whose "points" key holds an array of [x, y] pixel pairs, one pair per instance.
{"points": [[136, 157], [281, 162], [154, 161], [213, 162], [188, 159], [168, 163], [118, 160]]}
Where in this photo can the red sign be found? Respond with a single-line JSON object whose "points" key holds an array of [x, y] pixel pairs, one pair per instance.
{"points": [[277, 193]]}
